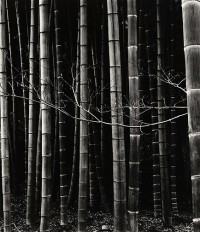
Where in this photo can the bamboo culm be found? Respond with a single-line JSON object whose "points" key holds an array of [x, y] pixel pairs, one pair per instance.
{"points": [[46, 115], [191, 26], [165, 188], [134, 95], [83, 160], [4, 122], [119, 167], [154, 118], [173, 111], [62, 117]]}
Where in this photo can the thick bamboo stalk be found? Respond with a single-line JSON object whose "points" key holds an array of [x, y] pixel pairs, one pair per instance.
{"points": [[119, 168], [4, 122], [83, 160], [62, 117], [46, 115], [191, 27], [154, 118], [134, 95], [32, 126], [165, 190], [24, 82], [76, 125], [173, 111]]}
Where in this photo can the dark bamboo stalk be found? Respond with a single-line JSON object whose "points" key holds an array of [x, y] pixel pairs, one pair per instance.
{"points": [[24, 82], [154, 118], [32, 126], [12, 82], [173, 110], [92, 170], [76, 126], [165, 190], [61, 116], [38, 164]]}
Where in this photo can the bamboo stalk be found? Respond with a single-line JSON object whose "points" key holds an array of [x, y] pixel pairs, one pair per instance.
{"points": [[173, 110], [76, 126], [46, 115], [32, 126], [38, 164], [12, 81], [154, 118], [191, 26], [119, 168], [4, 122], [134, 95], [23, 75], [165, 190], [83, 161], [92, 169], [62, 118]]}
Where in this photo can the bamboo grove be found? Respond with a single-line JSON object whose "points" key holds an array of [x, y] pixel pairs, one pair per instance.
{"points": [[92, 102]]}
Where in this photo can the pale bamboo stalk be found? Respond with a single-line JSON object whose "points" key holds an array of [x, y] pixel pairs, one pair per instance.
{"points": [[154, 117], [46, 115], [25, 102], [119, 167], [4, 122], [134, 97], [173, 111], [76, 126], [83, 160], [62, 117], [191, 35], [32, 126], [165, 188]]}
